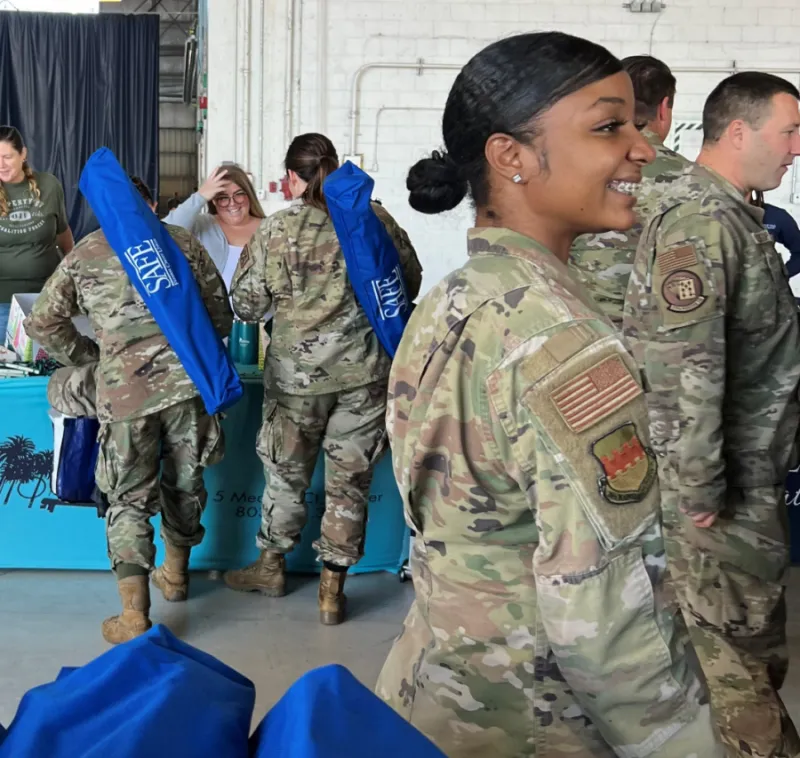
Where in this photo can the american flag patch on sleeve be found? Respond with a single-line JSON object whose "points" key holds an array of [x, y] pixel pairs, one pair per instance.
{"points": [[676, 258], [595, 394]]}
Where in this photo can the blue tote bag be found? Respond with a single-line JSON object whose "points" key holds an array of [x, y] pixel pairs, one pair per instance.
{"points": [[163, 278], [373, 263]]}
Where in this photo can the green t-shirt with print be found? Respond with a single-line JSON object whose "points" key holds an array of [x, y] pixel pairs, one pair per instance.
{"points": [[28, 253]]}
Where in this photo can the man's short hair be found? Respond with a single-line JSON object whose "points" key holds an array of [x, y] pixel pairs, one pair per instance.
{"points": [[746, 96], [652, 82]]}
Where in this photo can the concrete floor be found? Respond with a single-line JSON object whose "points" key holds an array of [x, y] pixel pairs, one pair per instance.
{"points": [[52, 619]]}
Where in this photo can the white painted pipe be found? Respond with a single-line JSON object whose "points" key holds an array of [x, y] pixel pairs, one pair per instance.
{"points": [[246, 77], [289, 76], [383, 109], [262, 174], [355, 87], [322, 65], [297, 68]]}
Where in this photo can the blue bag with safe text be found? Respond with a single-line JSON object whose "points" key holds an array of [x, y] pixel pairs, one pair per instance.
{"points": [[373, 263], [163, 278]]}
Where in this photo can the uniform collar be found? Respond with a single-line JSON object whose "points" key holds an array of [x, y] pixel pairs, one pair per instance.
{"points": [[729, 189], [490, 240], [652, 138]]}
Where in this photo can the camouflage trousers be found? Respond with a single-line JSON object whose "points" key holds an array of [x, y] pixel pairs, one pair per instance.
{"points": [[155, 464], [728, 580], [350, 428]]}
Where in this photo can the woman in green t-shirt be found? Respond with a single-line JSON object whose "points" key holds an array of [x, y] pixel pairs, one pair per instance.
{"points": [[33, 223]]}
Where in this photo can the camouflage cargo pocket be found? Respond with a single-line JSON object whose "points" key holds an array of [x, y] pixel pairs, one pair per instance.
{"points": [[783, 302], [380, 448], [213, 446], [104, 473], [270, 436]]}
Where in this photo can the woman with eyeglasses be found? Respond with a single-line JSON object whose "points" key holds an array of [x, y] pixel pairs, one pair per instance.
{"points": [[234, 214]]}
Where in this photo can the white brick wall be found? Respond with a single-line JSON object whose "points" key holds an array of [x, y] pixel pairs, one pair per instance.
{"points": [[698, 34]]}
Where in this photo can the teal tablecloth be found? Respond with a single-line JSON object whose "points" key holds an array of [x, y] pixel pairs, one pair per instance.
{"points": [[38, 532]]}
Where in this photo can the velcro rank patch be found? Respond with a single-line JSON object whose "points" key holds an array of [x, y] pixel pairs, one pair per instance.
{"points": [[595, 394], [245, 260], [565, 344], [762, 237]]}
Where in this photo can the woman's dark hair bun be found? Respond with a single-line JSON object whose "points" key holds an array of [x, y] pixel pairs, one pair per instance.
{"points": [[435, 184]]}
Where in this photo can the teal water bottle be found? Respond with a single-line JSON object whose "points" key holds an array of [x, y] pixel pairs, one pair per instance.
{"points": [[247, 351], [233, 341]]}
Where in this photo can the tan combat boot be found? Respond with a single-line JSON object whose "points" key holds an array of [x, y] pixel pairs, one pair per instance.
{"points": [[331, 597], [267, 575], [172, 576], [135, 617]]}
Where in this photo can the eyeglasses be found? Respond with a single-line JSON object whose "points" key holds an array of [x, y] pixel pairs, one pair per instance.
{"points": [[223, 201]]}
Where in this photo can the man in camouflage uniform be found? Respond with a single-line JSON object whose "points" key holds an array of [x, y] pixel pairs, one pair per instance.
{"points": [[713, 324], [325, 387], [519, 439], [155, 437], [602, 262]]}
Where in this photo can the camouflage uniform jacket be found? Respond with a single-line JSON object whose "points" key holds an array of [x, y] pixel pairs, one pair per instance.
{"points": [[603, 262], [138, 372], [712, 321], [322, 341], [519, 436]]}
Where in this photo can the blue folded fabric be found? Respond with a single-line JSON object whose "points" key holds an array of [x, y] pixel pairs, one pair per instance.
{"points": [[328, 713], [163, 277], [373, 263], [157, 697], [153, 697]]}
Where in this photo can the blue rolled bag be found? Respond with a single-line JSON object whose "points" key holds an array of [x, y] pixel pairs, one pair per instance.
{"points": [[153, 697], [163, 278], [373, 263]]}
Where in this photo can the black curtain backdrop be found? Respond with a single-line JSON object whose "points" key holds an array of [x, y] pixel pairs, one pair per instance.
{"points": [[74, 83]]}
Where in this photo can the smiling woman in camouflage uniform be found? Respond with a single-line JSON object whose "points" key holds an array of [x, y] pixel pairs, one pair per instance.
{"points": [[519, 437], [325, 379]]}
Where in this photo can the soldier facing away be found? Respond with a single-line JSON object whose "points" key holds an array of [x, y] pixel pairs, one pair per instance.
{"points": [[325, 379], [603, 262], [712, 321], [519, 439], [155, 435]]}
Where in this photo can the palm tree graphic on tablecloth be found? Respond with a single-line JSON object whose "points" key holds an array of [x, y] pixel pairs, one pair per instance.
{"points": [[21, 464]]}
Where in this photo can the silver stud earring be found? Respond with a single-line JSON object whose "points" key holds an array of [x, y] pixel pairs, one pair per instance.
{"points": [[517, 179]]}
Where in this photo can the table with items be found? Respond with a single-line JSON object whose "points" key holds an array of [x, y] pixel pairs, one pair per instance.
{"points": [[37, 531]]}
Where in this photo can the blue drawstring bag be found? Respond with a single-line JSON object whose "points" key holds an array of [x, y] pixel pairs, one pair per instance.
{"points": [[373, 263], [328, 713], [75, 449], [163, 278], [154, 696]]}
